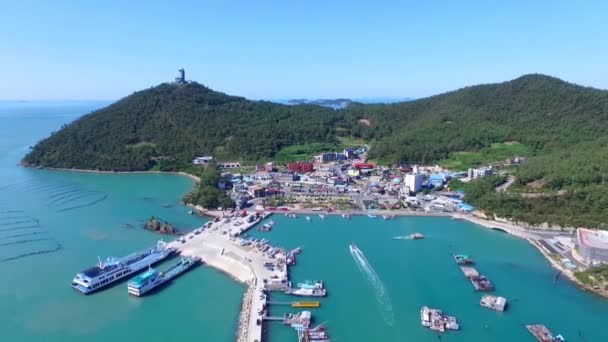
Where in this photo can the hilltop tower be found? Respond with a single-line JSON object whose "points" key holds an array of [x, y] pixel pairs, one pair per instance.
{"points": [[181, 78]]}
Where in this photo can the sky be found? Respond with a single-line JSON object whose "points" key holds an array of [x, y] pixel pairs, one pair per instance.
{"points": [[79, 50]]}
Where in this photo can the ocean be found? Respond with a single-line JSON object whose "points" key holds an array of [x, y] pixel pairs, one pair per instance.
{"points": [[54, 224]]}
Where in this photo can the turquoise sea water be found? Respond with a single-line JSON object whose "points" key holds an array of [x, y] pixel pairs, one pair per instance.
{"points": [[72, 218], [382, 302], [53, 224]]}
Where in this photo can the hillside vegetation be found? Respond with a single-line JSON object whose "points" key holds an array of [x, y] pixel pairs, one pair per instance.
{"points": [[560, 127]]}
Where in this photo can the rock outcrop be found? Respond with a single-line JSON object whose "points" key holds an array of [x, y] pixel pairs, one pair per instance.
{"points": [[159, 226]]}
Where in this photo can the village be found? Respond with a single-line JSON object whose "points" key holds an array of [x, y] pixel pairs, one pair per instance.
{"points": [[345, 181]]}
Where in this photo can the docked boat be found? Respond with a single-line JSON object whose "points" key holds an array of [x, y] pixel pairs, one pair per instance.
{"points": [[114, 269], [346, 216], [316, 292], [322, 216], [308, 284], [152, 279], [318, 333], [371, 216], [388, 217], [493, 302], [434, 319], [305, 304], [265, 227]]}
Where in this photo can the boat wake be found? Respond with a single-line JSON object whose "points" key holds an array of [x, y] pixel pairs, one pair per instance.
{"points": [[382, 296]]}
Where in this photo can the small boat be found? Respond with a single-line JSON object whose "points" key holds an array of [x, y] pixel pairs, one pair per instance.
{"points": [[346, 216], [308, 218], [462, 259], [322, 216], [190, 212], [372, 216], [416, 236], [388, 217]]}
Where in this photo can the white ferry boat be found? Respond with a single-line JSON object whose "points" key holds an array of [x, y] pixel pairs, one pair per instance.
{"points": [[152, 279], [114, 269]]}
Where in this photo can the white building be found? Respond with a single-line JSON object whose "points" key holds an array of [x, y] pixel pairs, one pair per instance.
{"points": [[593, 245], [202, 160], [414, 182], [480, 172]]}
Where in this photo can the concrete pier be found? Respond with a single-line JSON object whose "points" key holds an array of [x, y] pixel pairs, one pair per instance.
{"points": [[218, 245]]}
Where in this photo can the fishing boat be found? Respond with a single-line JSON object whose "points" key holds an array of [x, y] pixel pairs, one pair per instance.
{"points": [[265, 227], [309, 284], [462, 259], [308, 292], [318, 333], [434, 319]]}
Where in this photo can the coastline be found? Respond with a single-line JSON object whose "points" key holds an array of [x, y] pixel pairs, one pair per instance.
{"points": [[532, 239], [178, 173], [234, 269]]}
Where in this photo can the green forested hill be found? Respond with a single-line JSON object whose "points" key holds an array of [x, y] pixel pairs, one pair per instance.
{"points": [[562, 127], [169, 124]]}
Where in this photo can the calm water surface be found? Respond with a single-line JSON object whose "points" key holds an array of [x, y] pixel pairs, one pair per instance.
{"points": [[53, 224]]}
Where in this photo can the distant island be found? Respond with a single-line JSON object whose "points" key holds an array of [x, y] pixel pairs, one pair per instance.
{"points": [[331, 103], [560, 128]]}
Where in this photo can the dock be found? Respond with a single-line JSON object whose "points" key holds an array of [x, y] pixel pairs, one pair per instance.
{"points": [[256, 263], [542, 334], [301, 323]]}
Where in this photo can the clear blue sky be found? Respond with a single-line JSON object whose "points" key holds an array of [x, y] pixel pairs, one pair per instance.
{"points": [[286, 49]]}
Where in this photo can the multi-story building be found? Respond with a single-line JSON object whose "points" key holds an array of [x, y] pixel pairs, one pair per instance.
{"points": [[300, 167], [414, 182], [480, 172], [593, 245]]}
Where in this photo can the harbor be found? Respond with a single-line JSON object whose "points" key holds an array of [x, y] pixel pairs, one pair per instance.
{"points": [[222, 244]]}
